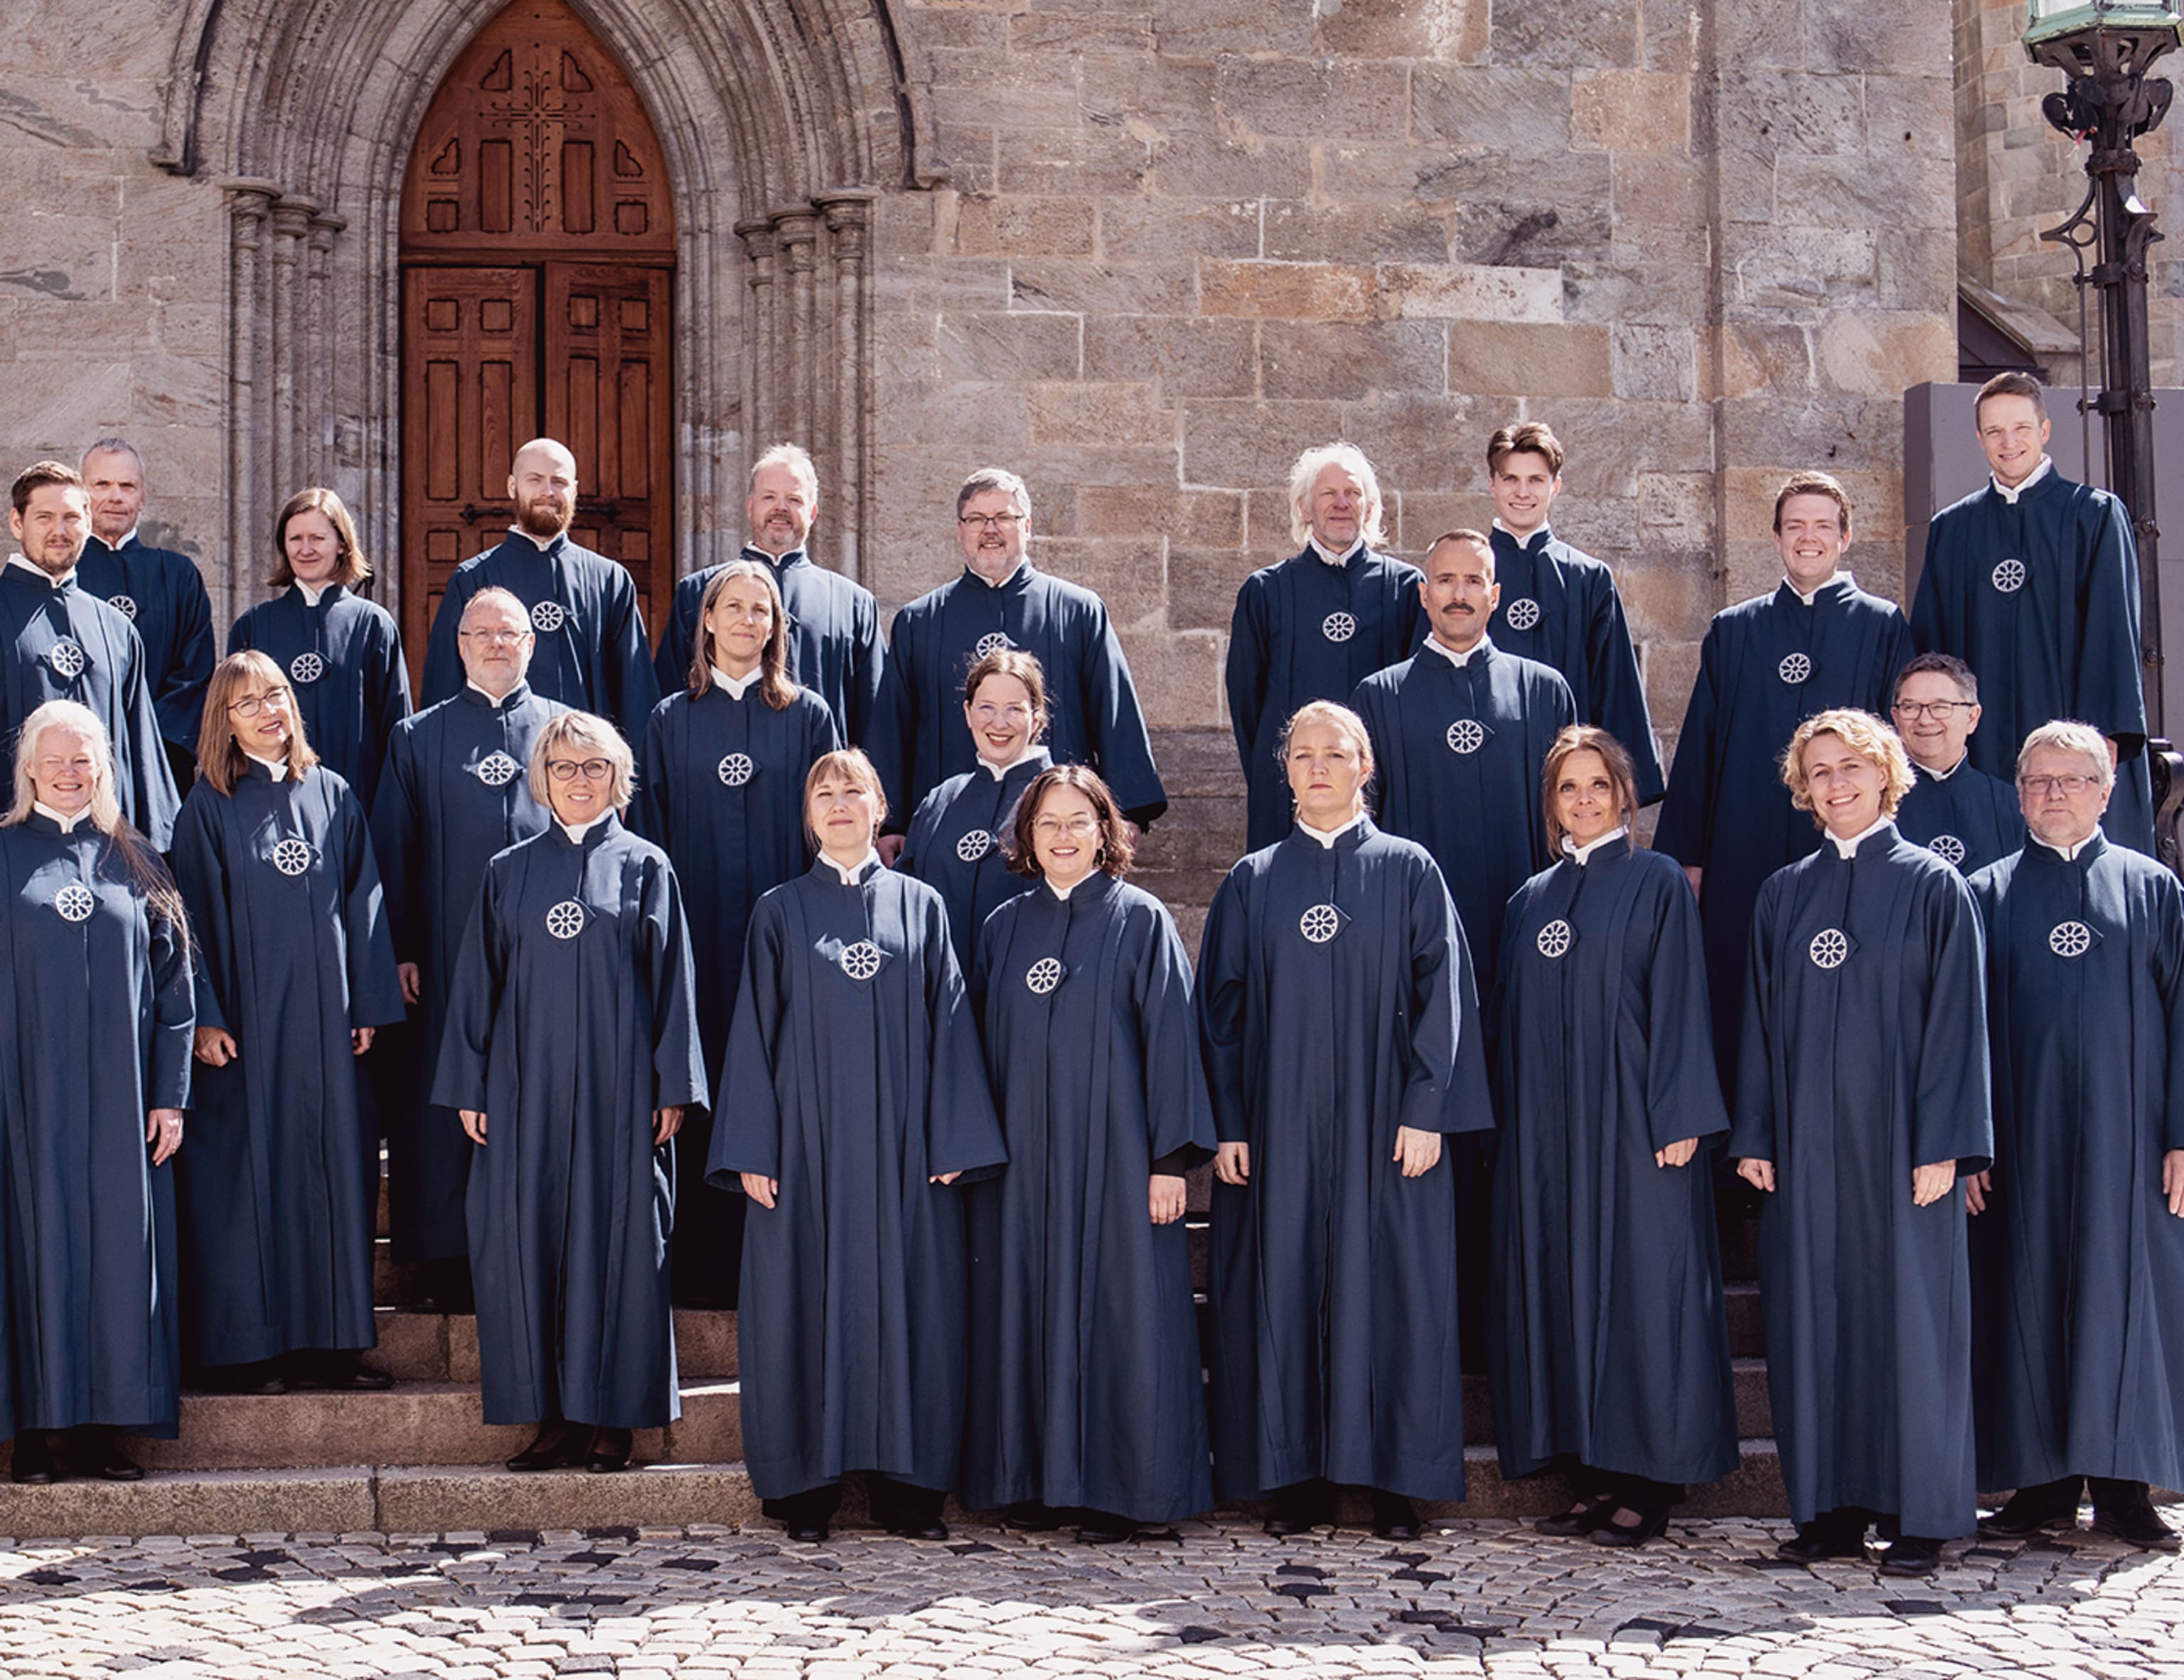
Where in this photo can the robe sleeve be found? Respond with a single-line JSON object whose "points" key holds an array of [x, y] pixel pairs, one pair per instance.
{"points": [[375, 990], [1120, 744], [2110, 693], [151, 777], [201, 876], [867, 672], [1370, 700], [1250, 652], [474, 989], [1447, 1089], [1751, 1130], [443, 665], [1931, 629], [922, 822], [397, 843], [1223, 962], [1683, 1083], [180, 699], [746, 1106], [1952, 1107], [386, 703], [651, 815], [1181, 1130], [630, 686], [2167, 948], [1687, 821], [174, 1018], [1619, 688], [678, 1058], [670, 666], [962, 1133], [890, 728]]}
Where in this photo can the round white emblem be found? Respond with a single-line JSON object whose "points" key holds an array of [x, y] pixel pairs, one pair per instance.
{"points": [[1524, 614], [1320, 924], [66, 658], [1338, 627], [2071, 939], [1046, 974], [1794, 669], [1465, 736], [974, 846], [497, 769], [292, 857], [1555, 938], [2009, 577], [991, 643], [861, 961], [122, 605], [736, 769], [73, 902], [307, 667], [1949, 849], [565, 920], [547, 616], [1828, 948]]}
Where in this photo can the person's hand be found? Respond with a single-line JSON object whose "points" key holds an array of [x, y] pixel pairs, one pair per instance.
{"points": [[761, 1190], [2172, 1180], [1677, 1155], [1232, 1163], [1759, 1174], [163, 1130], [413, 982], [1419, 1150], [1165, 1198], [1694, 874], [215, 1048], [474, 1124], [945, 1178], [1931, 1182], [360, 1040], [890, 847], [1976, 1186], [666, 1123]]}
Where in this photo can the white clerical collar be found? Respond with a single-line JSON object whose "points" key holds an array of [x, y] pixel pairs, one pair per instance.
{"points": [[736, 686], [311, 592], [1522, 540], [850, 873], [1329, 556], [998, 582], [2010, 493], [40, 573], [495, 704], [542, 543], [2069, 854], [1847, 849], [1834, 577], [1000, 772], [277, 768], [1583, 854], [1327, 837], [1063, 892], [1459, 660], [577, 831], [67, 823], [768, 557], [123, 541], [1962, 759]]}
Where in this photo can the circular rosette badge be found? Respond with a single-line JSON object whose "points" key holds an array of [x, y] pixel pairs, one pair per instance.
{"points": [[974, 846], [565, 920], [1321, 922], [992, 642], [1830, 949], [497, 769], [548, 617], [736, 769], [307, 667], [1465, 736], [1043, 976], [74, 903], [122, 605], [1338, 627], [1554, 939], [2009, 577], [1522, 615], [2070, 940], [861, 960], [67, 660], [1794, 669], [1949, 849], [292, 856]]}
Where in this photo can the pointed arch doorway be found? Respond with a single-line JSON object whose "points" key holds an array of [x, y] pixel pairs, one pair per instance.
{"points": [[538, 253]]}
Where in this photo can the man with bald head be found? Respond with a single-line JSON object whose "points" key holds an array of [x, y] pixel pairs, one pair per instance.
{"points": [[591, 651]]}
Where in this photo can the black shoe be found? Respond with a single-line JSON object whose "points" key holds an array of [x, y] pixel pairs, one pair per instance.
{"points": [[339, 1368], [2033, 1510], [1581, 1518], [260, 1377], [813, 1534], [610, 1451], [1652, 1522], [1912, 1555], [556, 1444], [1394, 1517], [34, 1464], [2139, 1525], [1830, 1535], [1299, 1508], [447, 1287], [93, 1450], [1031, 1516], [935, 1530], [1100, 1528]]}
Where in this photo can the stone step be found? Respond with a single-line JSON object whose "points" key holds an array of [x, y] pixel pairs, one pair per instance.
{"points": [[429, 1346]]}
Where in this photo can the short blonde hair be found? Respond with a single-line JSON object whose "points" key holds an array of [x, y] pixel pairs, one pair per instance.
{"points": [[2082, 738], [1306, 474], [220, 754], [1865, 734], [849, 762], [1342, 717], [595, 738]]}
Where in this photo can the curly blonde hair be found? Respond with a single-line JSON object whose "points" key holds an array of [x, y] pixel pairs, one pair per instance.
{"points": [[1865, 734]]}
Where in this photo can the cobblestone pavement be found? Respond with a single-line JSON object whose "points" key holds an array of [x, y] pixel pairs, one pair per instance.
{"points": [[1212, 1599]]}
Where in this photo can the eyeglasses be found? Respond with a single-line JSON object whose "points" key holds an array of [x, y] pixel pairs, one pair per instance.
{"points": [[2069, 786], [256, 703], [986, 712], [497, 638], [992, 521], [1076, 827], [568, 769], [1941, 711]]}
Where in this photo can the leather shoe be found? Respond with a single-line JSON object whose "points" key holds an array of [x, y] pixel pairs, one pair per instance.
{"points": [[1394, 1517], [555, 1445], [1651, 1524], [2033, 1510], [1299, 1510], [813, 1534], [1582, 1518], [94, 1450], [1912, 1555], [260, 1377], [1100, 1529], [2139, 1525], [1031, 1516], [610, 1451], [339, 1368], [34, 1464], [1828, 1536]]}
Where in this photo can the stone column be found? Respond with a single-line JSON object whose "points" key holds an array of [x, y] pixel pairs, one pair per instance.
{"points": [[847, 213], [249, 204], [318, 395], [799, 235], [763, 364], [290, 369]]}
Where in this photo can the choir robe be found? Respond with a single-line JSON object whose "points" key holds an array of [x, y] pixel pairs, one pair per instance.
{"points": [[1766, 665], [342, 655], [1307, 630], [1967, 818], [96, 1015], [454, 792], [63, 642], [834, 645], [160, 593], [1457, 750], [853, 1077], [571, 1018], [590, 652], [919, 738], [1083, 1330], [720, 791], [1571, 617], [1334, 998], [2040, 597], [279, 1178], [1851, 1076], [1608, 1339], [2078, 1291], [957, 843]]}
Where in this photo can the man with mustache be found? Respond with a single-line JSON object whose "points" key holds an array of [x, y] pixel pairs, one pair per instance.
{"points": [[592, 652]]}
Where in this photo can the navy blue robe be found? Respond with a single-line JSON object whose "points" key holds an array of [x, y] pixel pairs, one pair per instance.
{"points": [[343, 657], [1305, 630], [454, 792], [591, 653], [956, 847], [1767, 664], [1332, 1002], [1608, 1340], [1083, 1331], [66, 644], [1967, 818], [160, 593], [1865, 1024], [853, 1077], [279, 1191], [95, 1032], [1560, 606], [919, 738], [570, 1019], [2040, 597], [834, 645], [2078, 1282]]}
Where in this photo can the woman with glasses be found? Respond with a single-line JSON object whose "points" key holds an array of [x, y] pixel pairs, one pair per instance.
{"points": [[722, 790], [956, 840], [280, 1192], [572, 1053], [1083, 1331], [342, 652], [851, 1099]]}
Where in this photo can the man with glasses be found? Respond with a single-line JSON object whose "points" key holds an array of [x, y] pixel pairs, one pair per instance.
{"points": [[919, 736], [454, 793], [1958, 811], [2078, 1251]]}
